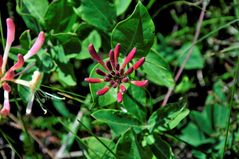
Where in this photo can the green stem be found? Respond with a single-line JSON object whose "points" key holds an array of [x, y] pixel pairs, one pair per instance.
{"points": [[230, 106]]}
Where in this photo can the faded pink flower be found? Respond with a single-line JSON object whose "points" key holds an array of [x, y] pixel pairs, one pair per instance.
{"points": [[10, 75], [114, 74]]}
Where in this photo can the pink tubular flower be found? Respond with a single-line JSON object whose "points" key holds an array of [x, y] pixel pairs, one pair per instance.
{"points": [[115, 74], [10, 75]]}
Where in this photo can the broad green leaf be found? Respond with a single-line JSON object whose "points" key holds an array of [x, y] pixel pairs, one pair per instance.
{"points": [[111, 116], [95, 149], [129, 147], [196, 60], [25, 39], [121, 6], [30, 21], [94, 38], [60, 107], [168, 117], [135, 31], [157, 70], [37, 8], [48, 65], [70, 43], [160, 148], [99, 13], [134, 102], [194, 136], [60, 16], [65, 73]]}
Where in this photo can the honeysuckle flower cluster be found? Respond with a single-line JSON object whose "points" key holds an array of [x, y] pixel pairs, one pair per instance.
{"points": [[115, 75], [10, 75]]}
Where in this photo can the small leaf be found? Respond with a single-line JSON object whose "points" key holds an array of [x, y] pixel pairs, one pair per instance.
{"points": [[60, 16], [66, 74], [135, 31], [157, 70], [129, 147], [196, 60], [121, 6], [99, 13], [95, 149], [25, 39], [168, 117], [37, 8], [60, 107], [94, 38], [111, 116]]}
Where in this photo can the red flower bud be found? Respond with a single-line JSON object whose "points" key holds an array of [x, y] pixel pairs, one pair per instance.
{"points": [[95, 56], [100, 72], [108, 65], [103, 91], [116, 52], [94, 80], [119, 97], [140, 83], [125, 80], [139, 63], [112, 60], [19, 64], [122, 88], [129, 71], [129, 57]]}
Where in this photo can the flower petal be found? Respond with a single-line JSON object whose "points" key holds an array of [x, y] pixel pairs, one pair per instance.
{"points": [[140, 83], [122, 88], [94, 80], [129, 57], [119, 97], [95, 56], [6, 104], [116, 52], [100, 72], [36, 46], [103, 91], [139, 63], [129, 71]]}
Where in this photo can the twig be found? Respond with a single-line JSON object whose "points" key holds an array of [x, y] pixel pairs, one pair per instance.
{"points": [[199, 24], [61, 152], [18, 125]]}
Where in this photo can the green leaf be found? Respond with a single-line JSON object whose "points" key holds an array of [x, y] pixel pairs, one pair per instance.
{"points": [[48, 65], [99, 13], [129, 147], [194, 136], [60, 16], [196, 60], [94, 38], [185, 85], [111, 116], [25, 39], [160, 148], [168, 117], [60, 107], [37, 8], [70, 42], [95, 149], [135, 31], [121, 6], [66, 74], [157, 70], [134, 102]]}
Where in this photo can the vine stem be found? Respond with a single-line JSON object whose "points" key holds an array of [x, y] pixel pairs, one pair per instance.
{"points": [[195, 38], [230, 106]]}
